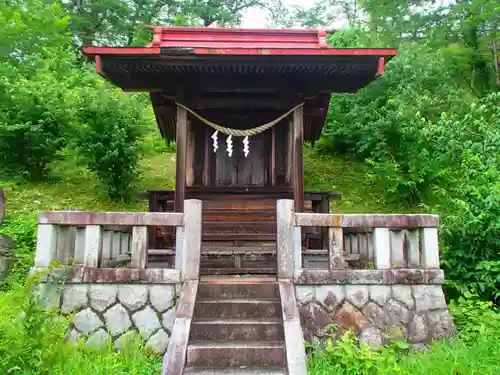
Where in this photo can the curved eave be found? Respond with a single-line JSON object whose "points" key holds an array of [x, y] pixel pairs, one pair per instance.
{"points": [[311, 72]]}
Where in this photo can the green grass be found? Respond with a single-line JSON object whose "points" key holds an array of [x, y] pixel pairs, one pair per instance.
{"points": [[347, 177], [450, 357], [36, 345], [72, 186]]}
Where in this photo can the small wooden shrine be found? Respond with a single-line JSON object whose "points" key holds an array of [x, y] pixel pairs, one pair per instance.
{"points": [[239, 104]]}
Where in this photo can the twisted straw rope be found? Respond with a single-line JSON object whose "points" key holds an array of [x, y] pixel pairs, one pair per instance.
{"points": [[238, 132]]}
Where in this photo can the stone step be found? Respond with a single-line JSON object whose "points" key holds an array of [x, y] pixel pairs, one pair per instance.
{"points": [[237, 330], [238, 309], [236, 354], [221, 290], [234, 371]]}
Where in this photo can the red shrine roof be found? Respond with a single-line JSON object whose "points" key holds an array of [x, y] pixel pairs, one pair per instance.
{"points": [[244, 76], [229, 41]]}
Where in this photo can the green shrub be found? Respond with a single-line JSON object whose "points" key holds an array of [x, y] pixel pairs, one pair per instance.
{"points": [[33, 341], [34, 119], [474, 317], [23, 230], [109, 137], [474, 351]]}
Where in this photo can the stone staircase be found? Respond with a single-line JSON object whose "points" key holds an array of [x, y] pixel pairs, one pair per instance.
{"points": [[237, 328]]}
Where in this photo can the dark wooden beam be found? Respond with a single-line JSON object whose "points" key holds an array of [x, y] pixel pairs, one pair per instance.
{"points": [[253, 103], [298, 163], [180, 161]]}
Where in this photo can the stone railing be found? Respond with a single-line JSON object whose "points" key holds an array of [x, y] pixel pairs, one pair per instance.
{"points": [[396, 294], [388, 242], [97, 244]]}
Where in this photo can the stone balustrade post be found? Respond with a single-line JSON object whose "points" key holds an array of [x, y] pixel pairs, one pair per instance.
{"points": [[189, 258], [46, 245], [286, 238], [382, 248]]}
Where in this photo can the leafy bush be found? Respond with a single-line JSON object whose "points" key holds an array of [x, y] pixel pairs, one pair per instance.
{"points": [[33, 341], [23, 230], [382, 122], [346, 356], [474, 351], [32, 125], [474, 317], [109, 137], [471, 202]]}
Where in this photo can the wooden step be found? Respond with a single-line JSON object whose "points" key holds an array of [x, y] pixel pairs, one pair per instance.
{"points": [[234, 371], [238, 250], [246, 205], [238, 227], [237, 216], [238, 237], [236, 354], [237, 330], [244, 290], [237, 271], [238, 309]]}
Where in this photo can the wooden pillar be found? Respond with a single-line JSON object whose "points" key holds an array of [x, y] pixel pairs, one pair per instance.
{"points": [[180, 161], [298, 163]]}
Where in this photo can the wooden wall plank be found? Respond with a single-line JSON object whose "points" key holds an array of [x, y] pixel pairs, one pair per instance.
{"points": [[190, 157], [289, 154], [273, 156], [207, 157]]}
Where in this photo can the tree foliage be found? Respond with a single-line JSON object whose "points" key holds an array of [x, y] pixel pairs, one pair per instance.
{"points": [[429, 127], [108, 136]]}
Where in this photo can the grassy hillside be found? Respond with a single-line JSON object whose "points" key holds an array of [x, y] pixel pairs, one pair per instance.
{"points": [[72, 186]]}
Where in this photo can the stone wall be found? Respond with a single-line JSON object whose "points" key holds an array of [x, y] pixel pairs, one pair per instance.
{"points": [[120, 312], [417, 313]]}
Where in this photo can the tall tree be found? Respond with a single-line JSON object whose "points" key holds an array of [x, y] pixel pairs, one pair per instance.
{"points": [[327, 13]]}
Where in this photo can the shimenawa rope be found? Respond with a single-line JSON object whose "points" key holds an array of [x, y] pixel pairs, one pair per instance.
{"points": [[239, 132]]}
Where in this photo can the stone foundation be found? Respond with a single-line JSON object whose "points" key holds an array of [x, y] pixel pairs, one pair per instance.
{"points": [[120, 312], [416, 313]]}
